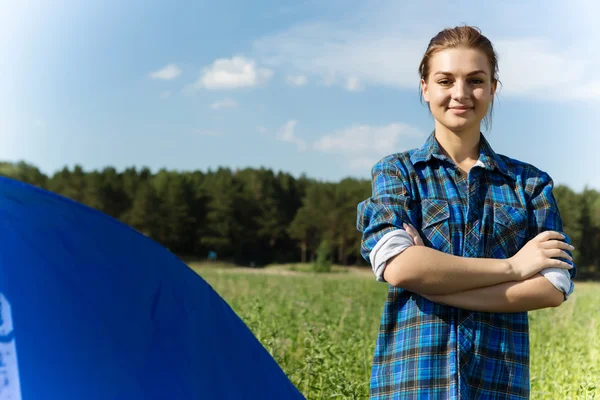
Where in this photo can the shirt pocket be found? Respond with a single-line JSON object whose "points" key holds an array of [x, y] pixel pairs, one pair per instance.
{"points": [[435, 225], [509, 231]]}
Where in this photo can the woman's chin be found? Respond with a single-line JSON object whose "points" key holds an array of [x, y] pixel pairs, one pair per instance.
{"points": [[458, 125]]}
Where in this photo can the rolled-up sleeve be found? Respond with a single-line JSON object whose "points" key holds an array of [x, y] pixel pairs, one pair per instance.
{"points": [[380, 218], [544, 215]]}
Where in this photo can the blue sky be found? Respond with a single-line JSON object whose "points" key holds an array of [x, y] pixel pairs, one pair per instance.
{"points": [[324, 88]]}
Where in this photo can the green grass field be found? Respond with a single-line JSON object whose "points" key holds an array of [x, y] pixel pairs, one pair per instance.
{"points": [[321, 329]]}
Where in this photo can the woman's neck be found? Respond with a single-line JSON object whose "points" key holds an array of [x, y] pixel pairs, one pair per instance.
{"points": [[461, 147]]}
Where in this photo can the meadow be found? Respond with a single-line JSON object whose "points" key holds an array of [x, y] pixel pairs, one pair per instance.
{"points": [[321, 329]]}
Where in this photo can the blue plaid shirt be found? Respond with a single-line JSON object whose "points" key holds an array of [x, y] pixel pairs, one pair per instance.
{"points": [[428, 350]]}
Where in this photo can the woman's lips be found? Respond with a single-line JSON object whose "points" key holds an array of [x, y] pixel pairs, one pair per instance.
{"points": [[460, 110]]}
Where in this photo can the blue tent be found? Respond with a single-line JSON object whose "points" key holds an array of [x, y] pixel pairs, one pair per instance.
{"points": [[92, 309]]}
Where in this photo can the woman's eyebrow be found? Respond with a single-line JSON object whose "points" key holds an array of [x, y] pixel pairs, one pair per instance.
{"points": [[479, 71]]}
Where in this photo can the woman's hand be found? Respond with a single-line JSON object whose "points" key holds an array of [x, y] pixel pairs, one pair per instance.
{"points": [[540, 252], [414, 234]]}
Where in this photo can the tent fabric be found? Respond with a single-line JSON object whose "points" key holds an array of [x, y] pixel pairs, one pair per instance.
{"points": [[93, 309]]}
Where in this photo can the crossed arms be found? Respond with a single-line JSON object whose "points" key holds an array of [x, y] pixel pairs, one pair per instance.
{"points": [[482, 284], [519, 283]]}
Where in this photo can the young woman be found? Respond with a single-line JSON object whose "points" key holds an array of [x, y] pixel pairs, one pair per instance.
{"points": [[468, 240]]}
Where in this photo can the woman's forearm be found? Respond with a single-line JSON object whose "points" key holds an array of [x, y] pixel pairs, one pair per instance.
{"points": [[421, 269], [531, 294]]}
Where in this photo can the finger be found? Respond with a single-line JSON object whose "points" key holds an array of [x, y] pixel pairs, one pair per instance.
{"points": [[414, 234], [557, 244], [419, 241], [415, 238], [547, 235], [409, 229], [560, 264], [557, 253]]}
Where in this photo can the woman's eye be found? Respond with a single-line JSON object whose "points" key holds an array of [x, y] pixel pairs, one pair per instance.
{"points": [[444, 82]]}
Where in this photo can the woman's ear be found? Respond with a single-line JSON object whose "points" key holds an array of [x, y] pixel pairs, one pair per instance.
{"points": [[424, 90], [494, 86]]}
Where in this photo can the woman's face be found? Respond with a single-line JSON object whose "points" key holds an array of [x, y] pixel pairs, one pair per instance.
{"points": [[459, 88]]}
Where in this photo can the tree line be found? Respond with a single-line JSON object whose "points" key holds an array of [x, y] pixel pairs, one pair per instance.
{"points": [[257, 216]]}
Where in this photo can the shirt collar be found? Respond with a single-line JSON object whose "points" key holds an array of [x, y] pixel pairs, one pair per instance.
{"points": [[488, 158]]}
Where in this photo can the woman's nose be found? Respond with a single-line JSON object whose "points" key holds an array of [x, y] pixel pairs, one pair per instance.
{"points": [[461, 91]]}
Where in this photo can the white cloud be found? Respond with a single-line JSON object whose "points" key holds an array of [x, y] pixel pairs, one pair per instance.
{"points": [[584, 91], [167, 73], [363, 139], [353, 84], [362, 145], [344, 57], [233, 73], [297, 80], [383, 46], [287, 134], [225, 103], [536, 68], [165, 94]]}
